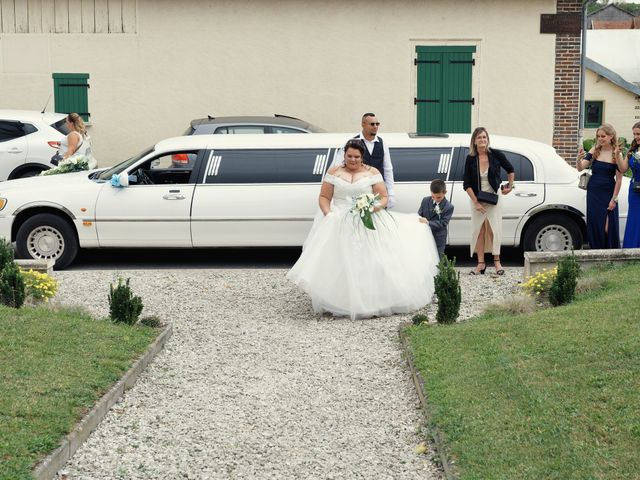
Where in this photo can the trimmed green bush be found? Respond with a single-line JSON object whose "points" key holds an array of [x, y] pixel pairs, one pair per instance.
{"points": [[6, 253], [12, 290], [447, 286], [151, 321], [419, 319], [124, 306], [563, 288]]}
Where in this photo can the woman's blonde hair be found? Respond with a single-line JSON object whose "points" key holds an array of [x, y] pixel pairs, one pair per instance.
{"points": [[609, 130], [78, 123], [472, 146], [634, 144]]}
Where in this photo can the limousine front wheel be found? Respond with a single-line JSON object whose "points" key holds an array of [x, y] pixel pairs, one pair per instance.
{"points": [[552, 233], [48, 237]]}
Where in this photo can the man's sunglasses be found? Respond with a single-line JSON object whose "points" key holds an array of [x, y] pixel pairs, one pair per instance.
{"points": [[374, 124]]}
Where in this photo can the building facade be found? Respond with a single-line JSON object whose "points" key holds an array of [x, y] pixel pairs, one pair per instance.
{"points": [[143, 69]]}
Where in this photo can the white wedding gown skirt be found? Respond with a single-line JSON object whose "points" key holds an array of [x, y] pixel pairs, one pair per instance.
{"points": [[349, 270]]}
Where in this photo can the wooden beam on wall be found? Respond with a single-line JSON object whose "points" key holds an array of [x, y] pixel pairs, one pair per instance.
{"points": [[35, 16], [88, 16], [8, 16]]}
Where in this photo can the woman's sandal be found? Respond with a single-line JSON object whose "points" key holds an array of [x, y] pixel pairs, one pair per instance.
{"points": [[478, 271], [499, 271]]}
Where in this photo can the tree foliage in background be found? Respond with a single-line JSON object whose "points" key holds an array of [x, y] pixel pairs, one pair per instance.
{"points": [[631, 7]]}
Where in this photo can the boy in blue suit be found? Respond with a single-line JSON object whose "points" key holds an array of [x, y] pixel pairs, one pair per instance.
{"points": [[437, 211]]}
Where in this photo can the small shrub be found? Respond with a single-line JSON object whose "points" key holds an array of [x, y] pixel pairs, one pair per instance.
{"points": [[151, 321], [539, 284], [12, 291], [563, 289], [447, 286], [512, 305], [6, 253], [419, 319], [39, 286], [124, 307]]}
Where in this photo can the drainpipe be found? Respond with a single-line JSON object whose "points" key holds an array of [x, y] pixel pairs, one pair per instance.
{"points": [[583, 53]]}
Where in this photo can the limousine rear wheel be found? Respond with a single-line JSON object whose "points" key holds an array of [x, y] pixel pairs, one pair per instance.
{"points": [[49, 237], [552, 233]]}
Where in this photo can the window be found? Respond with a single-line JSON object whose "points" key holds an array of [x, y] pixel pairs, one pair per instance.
{"points": [[593, 114], [266, 166], [168, 169], [11, 130], [235, 129], [420, 164], [521, 165], [283, 130], [71, 93]]}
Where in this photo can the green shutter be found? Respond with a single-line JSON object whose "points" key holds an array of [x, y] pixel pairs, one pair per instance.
{"points": [[444, 98], [71, 93]]}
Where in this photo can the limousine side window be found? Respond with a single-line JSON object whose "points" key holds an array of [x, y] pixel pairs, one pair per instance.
{"points": [[420, 164], [266, 165], [521, 165], [163, 170]]}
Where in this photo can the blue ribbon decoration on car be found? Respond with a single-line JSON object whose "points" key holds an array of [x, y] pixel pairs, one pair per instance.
{"points": [[115, 181]]}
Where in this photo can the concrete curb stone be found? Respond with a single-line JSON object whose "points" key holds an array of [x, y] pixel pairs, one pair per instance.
{"points": [[418, 381], [48, 467]]}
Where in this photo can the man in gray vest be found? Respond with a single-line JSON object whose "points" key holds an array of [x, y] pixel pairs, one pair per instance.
{"points": [[376, 153]]}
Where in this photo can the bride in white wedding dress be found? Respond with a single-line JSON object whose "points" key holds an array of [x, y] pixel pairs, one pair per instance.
{"points": [[351, 270]]}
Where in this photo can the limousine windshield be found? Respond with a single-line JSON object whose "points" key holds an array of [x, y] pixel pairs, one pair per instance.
{"points": [[106, 175]]}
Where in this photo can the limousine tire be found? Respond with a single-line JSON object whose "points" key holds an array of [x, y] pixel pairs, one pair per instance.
{"points": [[49, 237], [552, 233]]}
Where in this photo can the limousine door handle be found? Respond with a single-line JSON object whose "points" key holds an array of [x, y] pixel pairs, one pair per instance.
{"points": [[173, 196], [526, 194]]}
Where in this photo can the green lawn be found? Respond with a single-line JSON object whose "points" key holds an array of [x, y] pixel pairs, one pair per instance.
{"points": [[551, 395], [53, 368]]}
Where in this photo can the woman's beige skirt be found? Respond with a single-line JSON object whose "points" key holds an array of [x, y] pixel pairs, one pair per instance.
{"points": [[492, 242]]}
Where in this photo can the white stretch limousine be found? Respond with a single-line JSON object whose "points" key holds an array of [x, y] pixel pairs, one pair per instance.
{"points": [[262, 190]]}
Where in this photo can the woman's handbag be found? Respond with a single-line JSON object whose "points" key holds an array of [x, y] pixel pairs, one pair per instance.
{"points": [[584, 180], [482, 196], [487, 197], [55, 160]]}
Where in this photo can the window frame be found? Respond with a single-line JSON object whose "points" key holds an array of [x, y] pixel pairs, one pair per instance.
{"points": [[600, 104]]}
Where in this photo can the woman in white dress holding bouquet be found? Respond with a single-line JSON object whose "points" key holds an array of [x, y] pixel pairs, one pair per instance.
{"points": [[360, 260]]}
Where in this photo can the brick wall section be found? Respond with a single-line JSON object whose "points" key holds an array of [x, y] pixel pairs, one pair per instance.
{"points": [[567, 87]]}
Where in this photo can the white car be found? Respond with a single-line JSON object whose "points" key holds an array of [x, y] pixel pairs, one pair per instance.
{"points": [[262, 190], [28, 140]]}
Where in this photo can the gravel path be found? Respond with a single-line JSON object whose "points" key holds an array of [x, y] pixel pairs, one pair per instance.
{"points": [[254, 385]]}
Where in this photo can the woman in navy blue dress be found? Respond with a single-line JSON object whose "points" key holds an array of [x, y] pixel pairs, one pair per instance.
{"points": [[605, 159], [632, 230]]}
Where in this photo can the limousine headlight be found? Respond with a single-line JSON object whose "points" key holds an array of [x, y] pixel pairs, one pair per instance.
{"points": [[3, 202]]}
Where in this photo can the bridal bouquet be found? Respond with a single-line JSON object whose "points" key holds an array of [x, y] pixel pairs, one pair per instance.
{"points": [[363, 207], [75, 163]]}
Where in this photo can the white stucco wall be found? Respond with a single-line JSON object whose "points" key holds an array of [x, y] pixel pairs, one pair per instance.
{"points": [[326, 62], [620, 107]]}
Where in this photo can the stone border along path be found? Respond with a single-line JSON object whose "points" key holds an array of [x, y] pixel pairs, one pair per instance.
{"points": [[51, 464], [252, 384]]}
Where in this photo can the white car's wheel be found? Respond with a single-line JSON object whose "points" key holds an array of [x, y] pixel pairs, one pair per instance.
{"points": [[552, 233], [49, 237]]}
